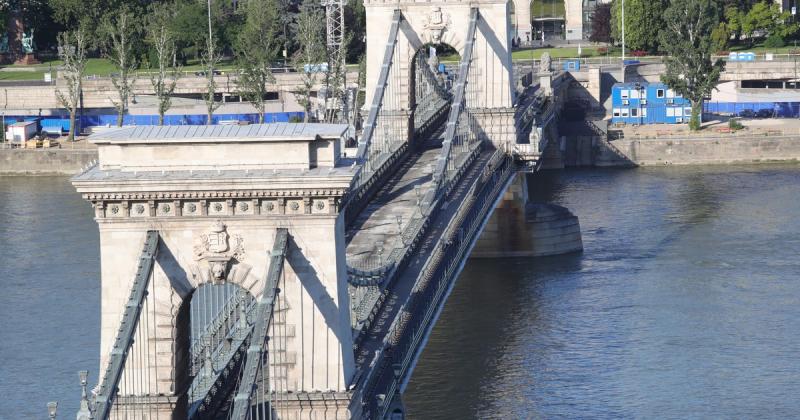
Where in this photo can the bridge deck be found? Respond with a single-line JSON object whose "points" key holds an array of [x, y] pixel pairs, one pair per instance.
{"points": [[402, 289], [377, 223]]}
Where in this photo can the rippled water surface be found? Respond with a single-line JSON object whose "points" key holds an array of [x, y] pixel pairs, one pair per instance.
{"points": [[685, 304], [49, 296]]}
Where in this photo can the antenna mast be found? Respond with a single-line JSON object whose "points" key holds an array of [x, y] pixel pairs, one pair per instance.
{"points": [[336, 101]]}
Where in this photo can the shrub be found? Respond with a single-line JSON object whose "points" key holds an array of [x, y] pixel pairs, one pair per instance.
{"points": [[295, 119], [734, 124], [602, 50], [774, 41]]}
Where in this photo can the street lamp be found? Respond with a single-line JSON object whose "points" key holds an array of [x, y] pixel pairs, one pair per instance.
{"points": [[52, 407], [84, 413]]}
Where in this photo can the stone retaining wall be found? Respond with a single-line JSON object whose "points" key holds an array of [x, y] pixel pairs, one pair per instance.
{"points": [[44, 161], [713, 150]]}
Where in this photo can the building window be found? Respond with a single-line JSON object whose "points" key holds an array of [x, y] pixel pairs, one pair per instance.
{"points": [[660, 93], [624, 93], [687, 111], [624, 112], [670, 93], [644, 112], [670, 112], [678, 112], [634, 94], [616, 112], [634, 112]]}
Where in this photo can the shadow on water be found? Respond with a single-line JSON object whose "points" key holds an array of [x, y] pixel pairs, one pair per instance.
{"points": [[491, 298]]}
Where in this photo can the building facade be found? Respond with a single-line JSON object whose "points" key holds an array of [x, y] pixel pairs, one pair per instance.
{"points": [[648, 103]]}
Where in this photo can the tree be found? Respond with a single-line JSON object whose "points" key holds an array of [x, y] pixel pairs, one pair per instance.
{"points": [[601, 23], [762, 19], [162, 40], [86, 14], [642, 18], [72, 51], [686, 38], [356, 20], [258, 47], [120, 31], [310, 23]]}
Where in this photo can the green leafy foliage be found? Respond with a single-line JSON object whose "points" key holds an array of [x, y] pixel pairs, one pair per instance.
{"points": [[762, 18], [686, 38], [774, 41], [642, 17], [258, 47]]}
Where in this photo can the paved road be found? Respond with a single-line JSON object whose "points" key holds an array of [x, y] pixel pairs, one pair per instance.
{"points": [[375, 233]]}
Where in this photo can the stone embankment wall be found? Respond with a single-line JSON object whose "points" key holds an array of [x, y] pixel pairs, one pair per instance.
{"points": [[716, 150], [45, 161]]}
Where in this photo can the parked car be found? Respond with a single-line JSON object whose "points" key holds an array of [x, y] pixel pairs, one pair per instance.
{"points": [[747, 113]]}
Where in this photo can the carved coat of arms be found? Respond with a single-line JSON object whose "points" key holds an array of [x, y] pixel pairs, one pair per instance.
{"points": [[437, 23], [214, 252]]}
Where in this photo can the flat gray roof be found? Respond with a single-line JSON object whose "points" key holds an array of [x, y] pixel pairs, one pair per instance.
{"points": [[183, 133]]}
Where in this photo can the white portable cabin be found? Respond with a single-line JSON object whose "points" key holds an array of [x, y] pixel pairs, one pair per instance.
{"points": [[20, 132]]}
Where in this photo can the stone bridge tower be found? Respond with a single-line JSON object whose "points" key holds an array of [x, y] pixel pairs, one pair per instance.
{"points": [[447, 22], [217, 195]]}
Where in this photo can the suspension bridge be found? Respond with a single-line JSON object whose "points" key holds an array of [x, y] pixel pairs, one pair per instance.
{"points": [[253, 272]]}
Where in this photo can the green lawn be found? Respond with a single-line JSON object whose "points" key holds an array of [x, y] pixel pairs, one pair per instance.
{"points": [[569, 52], [22, 75], [760, 48]]}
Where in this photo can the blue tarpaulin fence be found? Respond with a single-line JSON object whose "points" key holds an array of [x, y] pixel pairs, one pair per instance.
{"points": [[751, 109], [52, 123]]}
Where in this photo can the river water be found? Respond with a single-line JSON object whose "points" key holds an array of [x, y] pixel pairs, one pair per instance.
{"points": [[684, 304]]}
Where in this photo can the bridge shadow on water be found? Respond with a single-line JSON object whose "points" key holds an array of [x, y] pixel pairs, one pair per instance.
{"points": [[491, 301]]}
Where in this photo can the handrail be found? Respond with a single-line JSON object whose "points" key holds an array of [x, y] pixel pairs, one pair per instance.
{"points": [[264, 311], [128, 325], [219, 328], [438, 271]]}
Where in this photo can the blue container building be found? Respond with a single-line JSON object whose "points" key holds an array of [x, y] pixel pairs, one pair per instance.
{"points": [[648, 103]]}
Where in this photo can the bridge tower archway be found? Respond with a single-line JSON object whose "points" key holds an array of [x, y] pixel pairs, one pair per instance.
{"points": [[440, 23]]}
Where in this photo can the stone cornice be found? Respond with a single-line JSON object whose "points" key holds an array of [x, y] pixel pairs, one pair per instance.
{"points": [[172, 195]]}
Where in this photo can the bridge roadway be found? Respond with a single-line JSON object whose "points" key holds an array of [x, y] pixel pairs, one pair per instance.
{"points": [[378, 223]]}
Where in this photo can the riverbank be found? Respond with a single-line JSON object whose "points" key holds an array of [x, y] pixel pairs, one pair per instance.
{"points": [[710, 150], [758, 141], [45, 161]]}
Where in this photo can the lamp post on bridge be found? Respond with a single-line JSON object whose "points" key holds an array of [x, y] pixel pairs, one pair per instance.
{"points": [[84, 413]]}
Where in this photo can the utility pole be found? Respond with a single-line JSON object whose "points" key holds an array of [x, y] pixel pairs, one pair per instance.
{"points": [[337, 72], [623, 41]]}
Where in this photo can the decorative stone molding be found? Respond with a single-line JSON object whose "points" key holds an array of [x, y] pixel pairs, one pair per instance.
{"points": [[218, 195], [215, 252], [248, 207], [436, 23]]}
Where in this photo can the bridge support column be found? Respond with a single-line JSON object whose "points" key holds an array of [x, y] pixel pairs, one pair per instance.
{"points": [[518, 228]]}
